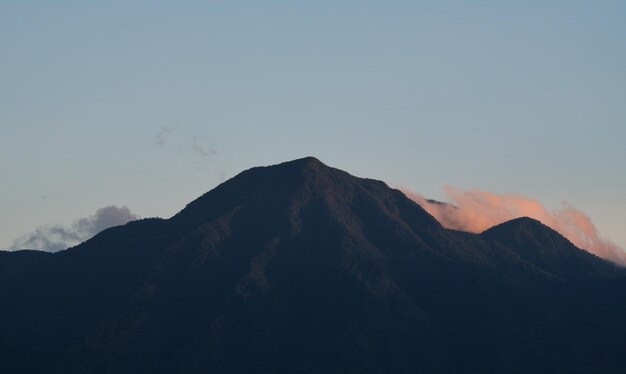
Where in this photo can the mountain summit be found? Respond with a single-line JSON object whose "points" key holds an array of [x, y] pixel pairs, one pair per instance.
{"points": [[300, 267]]}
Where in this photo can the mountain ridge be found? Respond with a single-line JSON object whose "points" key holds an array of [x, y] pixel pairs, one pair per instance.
{"points": [[303, 267]]}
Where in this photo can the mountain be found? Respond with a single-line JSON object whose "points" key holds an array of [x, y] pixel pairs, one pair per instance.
{"points": [[14, 262], [538, 244], [300, 267]]}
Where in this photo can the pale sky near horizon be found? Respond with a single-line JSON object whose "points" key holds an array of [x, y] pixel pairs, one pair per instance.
{"points": [[150, 104]]}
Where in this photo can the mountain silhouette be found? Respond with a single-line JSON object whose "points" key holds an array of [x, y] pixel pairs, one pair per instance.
{"points": [[545, 248], [300, 267], [14, 262]]}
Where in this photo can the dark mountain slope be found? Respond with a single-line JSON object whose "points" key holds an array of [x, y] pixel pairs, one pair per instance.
{"points": [[299, 267], [14, 262], [545, 248]]}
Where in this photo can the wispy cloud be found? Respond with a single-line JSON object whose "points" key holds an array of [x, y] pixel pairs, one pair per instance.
{"points": [[56, 238], [477, 210], [198, 145], [160, 137], [204, 150]]}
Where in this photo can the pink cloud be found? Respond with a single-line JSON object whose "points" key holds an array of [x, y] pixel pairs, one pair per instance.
{"points": [[476, 211]]}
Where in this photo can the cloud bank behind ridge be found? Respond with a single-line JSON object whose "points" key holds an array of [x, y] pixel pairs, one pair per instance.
{"points": [[56, 238], [476, 211]]}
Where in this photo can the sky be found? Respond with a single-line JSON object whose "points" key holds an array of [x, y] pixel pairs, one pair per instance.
{"points": [[137, 108]]}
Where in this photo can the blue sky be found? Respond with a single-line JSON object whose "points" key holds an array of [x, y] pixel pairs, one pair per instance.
{"points": [[151, 104]]}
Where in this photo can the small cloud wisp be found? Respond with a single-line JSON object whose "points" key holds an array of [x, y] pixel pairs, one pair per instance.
{"points": [[56, 238], [476, 211], [203, 151], [160, 137]]}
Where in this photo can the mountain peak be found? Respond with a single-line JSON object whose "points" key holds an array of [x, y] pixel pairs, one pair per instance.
{"points": [[308, 161], [547, 249], [286, 186], [305, 165], [520, 223]]}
